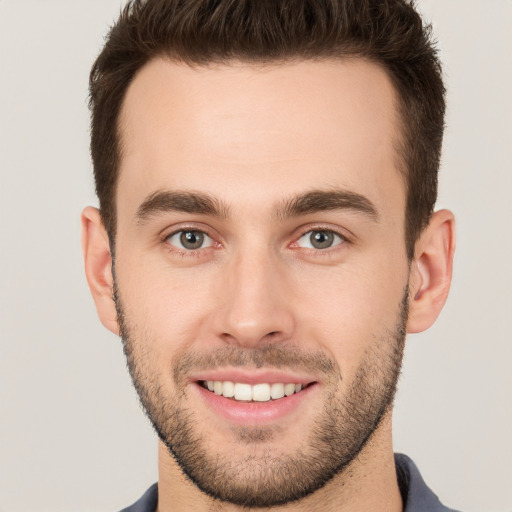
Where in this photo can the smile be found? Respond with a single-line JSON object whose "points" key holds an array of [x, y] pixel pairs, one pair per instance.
{"points": [[254, 397], [243, 392]]}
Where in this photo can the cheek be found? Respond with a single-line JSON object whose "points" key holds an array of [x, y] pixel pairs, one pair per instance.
{"points": [[350, 308], [164, 307]]}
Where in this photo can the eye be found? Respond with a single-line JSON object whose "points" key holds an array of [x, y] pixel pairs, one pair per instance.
{"points": [[320, 239], [190, 240]]}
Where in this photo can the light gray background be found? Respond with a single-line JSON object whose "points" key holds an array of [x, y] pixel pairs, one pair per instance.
{"points": [[72, 437]]}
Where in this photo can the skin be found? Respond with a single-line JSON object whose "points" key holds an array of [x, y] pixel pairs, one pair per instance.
{"points": [[253, 138]]}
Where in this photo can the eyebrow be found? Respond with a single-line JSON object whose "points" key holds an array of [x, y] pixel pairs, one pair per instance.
{"points": [[180, 201], [327, 200], [203, 204]]}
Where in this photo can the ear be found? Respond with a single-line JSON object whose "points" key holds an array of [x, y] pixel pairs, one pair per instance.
{"points": [[98, 267], [431, 271]]}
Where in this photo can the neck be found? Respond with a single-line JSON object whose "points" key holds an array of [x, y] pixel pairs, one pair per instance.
{"points": [[369, 483]]}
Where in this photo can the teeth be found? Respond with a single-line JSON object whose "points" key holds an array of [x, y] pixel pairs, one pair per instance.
{"points": [[228, 389], [243, 391], [289, 389], [261, 393], [217, 387], [277, 391], [258, 393]]}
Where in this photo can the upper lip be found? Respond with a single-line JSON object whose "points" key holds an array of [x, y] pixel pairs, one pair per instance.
{"points": [[252, 377]]}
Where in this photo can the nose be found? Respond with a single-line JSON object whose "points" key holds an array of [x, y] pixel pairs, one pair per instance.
{"points": [[256, 303]]}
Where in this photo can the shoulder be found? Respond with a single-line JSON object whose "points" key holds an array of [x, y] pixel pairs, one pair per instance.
{"points": [[147, 503], [416, 494]]}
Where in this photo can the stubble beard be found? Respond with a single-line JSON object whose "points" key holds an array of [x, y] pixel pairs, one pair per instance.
{"points": [[267, 478]]}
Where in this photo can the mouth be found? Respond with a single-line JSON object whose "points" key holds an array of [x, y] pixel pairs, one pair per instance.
{"points": [[250, 393], [258, 397]]}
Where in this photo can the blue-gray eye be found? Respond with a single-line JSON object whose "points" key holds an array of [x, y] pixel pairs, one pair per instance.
{"points": [[320, 239], [190, 240]]}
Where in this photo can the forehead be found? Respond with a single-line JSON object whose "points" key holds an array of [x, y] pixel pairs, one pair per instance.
{"points": [[259, 131]]}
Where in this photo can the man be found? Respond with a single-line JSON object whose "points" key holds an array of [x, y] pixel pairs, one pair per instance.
{"points": [[267, 172]]}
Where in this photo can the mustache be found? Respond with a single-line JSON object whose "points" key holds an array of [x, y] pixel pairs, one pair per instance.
{"points": [[267, 356]]}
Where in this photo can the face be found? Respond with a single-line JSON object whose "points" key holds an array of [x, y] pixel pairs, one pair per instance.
{"points": [[261, 271]]}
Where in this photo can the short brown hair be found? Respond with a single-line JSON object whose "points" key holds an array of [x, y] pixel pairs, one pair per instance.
{"points": [[197, 32]]}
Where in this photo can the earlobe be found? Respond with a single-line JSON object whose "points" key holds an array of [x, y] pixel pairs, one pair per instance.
{"points": [[431, 271], [98, 267]]}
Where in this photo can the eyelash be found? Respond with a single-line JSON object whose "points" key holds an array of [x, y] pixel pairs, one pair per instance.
{"points": [[188, 253], [322, 229], [195, 253]]}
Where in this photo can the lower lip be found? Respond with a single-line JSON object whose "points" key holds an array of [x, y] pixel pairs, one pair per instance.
{"points": [[254, 413]]}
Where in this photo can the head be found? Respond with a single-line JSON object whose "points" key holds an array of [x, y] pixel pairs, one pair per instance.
{"points": [[387, 33], [267, 173]]}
